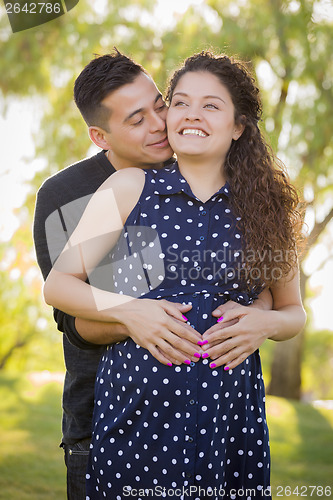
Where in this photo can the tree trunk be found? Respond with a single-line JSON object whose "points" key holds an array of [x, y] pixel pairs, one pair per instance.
{"points": [[287, 361], [4, 359], [286, 368]]}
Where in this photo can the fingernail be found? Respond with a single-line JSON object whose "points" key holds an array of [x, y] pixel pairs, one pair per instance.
{"points": [[169, 364], [212, 365], [197, 355], [203, 342], [187, 362], [226, 368], [200, 342], [184, 317], [219, 319], [205, 355]]}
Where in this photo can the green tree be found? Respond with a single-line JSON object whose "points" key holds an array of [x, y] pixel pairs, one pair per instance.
{"points": [[24, 321]]}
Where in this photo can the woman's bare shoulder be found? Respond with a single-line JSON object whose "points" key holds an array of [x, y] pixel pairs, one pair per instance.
{"points": [[123, 190], [127, 178]]}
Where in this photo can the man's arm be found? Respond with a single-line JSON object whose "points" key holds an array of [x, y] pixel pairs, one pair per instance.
{"points": [[78, 331]]}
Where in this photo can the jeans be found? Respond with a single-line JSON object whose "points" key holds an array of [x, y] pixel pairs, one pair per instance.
{"points": [[76, 460]]}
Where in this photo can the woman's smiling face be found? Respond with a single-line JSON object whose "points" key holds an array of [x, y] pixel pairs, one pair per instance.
{"points": [[201, 117]]}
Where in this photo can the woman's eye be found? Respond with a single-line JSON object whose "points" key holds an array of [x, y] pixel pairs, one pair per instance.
{"points": [[211, 106], [179, 103]]}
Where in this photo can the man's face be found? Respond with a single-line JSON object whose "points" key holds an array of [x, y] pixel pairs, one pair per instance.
{"points": [[136, 133]]}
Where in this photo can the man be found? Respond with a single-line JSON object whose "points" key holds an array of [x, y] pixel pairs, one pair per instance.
{"points": [[126, 117]]}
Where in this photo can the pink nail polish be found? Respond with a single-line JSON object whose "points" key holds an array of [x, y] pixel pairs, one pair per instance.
{"points": [[212, 365], [219, 319], [184, 317], [205, 355], [197, 355], [169, 364], [200, 342], [226, 368], [204, 342], [187, 362]]}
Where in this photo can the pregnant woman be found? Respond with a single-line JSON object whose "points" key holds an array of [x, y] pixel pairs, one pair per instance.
{"points": [[220, 224]]}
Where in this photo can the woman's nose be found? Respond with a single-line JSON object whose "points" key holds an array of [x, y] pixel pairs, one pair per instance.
{"points": [[193, 114]]}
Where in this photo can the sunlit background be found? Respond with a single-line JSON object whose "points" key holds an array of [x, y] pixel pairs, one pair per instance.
{"points": [[290, 44]]}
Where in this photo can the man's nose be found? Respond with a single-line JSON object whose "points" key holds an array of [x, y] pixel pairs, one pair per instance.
{"points": [[158, 122]]}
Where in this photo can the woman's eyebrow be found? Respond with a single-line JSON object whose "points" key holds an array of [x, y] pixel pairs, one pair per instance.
{"points": [[204, 97], [214, 97]]}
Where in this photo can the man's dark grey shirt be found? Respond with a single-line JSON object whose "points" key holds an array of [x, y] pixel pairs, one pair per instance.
{"points": [[55, 218]]}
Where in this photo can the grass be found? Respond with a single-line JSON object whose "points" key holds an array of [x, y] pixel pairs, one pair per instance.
{"points": [[301, 438], [31, 464]]}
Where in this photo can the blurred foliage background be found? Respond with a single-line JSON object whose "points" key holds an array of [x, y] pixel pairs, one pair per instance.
{"points": [[289, 45]]}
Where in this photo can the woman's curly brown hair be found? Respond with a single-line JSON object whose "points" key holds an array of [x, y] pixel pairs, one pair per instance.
{"points": [[263, 199]]}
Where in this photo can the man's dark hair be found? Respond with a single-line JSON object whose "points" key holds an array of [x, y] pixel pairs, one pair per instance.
{"points": [[102, 75]]}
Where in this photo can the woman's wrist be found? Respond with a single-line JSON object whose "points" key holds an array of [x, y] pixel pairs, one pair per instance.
{"points": [[114, 313], [122, 311]]}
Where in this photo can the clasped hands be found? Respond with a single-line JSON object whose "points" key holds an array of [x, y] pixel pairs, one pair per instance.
{"points": [[161, 327]]}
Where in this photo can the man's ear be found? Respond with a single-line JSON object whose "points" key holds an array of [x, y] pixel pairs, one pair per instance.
{"points": [[98, 137]]}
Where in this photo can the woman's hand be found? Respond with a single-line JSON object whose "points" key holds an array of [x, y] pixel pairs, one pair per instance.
{"points": [[240, 333], [243, 329], [160, 327]]}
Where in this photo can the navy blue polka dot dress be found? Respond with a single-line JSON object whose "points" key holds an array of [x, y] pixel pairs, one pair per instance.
{"points": [[184, 431]]}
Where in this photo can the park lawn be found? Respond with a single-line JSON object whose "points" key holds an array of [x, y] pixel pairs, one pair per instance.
{"points": [[301, 438], [31, 464]]}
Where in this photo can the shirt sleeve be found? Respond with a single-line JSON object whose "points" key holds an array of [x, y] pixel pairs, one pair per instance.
{"points": [[66, 324]]}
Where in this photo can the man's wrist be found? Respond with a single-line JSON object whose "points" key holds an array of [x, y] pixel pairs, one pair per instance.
{"points": [[97, 332]]}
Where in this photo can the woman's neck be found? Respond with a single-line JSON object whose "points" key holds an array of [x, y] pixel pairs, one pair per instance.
{"points": [[204, 178]]}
